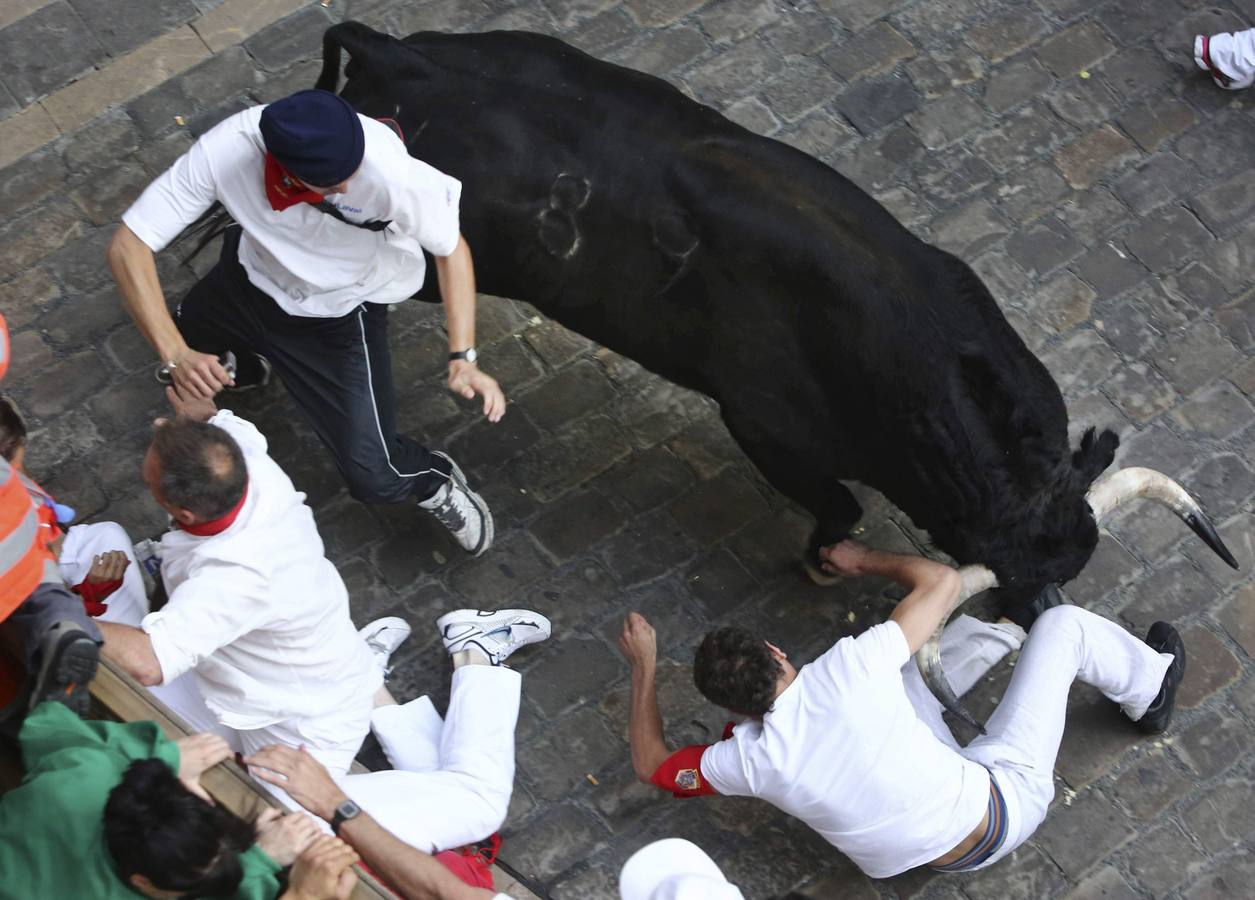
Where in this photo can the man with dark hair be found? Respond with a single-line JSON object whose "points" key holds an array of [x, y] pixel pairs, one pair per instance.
{"points": [[854, 745], [333, 220], [256, 610], [108, 808]]}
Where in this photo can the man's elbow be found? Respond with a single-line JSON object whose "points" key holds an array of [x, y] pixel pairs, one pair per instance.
{"points": [[149, 674], [643, 776]]}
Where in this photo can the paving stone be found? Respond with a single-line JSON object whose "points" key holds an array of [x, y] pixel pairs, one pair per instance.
{"points": [[1158, 448], [296, 37], [1223, 816], [1227, 203], [1156, 121], [46, 49], [1156, 181], [1110, 270], [1211, 669], [1197, 287], [1043, 247], [1084, 101], [1212, 743], [1166, 238], [1005, 33], [1172, 591], [24, 298], [846, 882], [1097, 736], [1092, 214], [664, 53], [801, 87], [647, 547], [43, 229], [735, 20], [1028, 192], [857, 14], [1076, 49], [557, 465], [1129, 24], [875, 164], [555, 344], [1217, 145], [969, 229], [500, 577], [1159, 860], [568, 395], [1110, 566], [716, 508], [1231, 879], [602, 34], [577, 745], [707, 448], [106, 196], [122, 25], [1151, 785], [1138, 71], [31, 179], [873, 51], [657, 411], [800, 32], [553, 842], [1238, 618], [1107, 884], [1140, 391], [1020, 137], [1094, 155], [649, 479], [1063, 301], [1082, 359], [1026, 874], [1238, 321], [774, 860], [945, 121], [873, 103], [1195, 356], [78, 266], [558, 680], [820, 134], [1014, 83], [941, 71], [733, 73], [752, 114], [1217, 412], [1222, 484], [721, 583], [576, 523], [1078, 836], [954, 174], [657, 13]]}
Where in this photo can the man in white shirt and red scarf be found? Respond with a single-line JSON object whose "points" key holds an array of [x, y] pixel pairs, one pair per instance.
{"points": [[333, 218], [256, 611], [854, 745]]}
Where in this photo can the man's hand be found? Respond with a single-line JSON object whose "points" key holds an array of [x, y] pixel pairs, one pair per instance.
{"points": [[187, 405], [323, 872], [107, 566], [197, 753], [466, 380], [303, 777], [845, 558], [199, 375], [638, 642], [284, 836]]}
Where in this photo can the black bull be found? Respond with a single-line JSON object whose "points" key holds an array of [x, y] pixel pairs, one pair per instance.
{"points": [[837, 344]]}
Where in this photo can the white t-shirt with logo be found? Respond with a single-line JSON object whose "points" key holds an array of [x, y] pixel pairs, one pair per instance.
{"points": [[311, 263], [843, 750]]}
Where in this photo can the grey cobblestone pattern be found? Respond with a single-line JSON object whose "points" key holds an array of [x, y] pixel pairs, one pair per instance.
{"points": [[1068, 149]]}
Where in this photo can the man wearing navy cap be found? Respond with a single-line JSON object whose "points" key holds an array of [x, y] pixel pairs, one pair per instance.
{"points": [[333, 218]]}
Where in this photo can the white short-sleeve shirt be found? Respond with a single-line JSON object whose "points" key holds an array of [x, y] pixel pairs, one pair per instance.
{"points": [[843, 750], [311, 263]]}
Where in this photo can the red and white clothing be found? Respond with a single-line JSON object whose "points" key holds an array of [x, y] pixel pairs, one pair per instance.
{"points": [[261, 617], [451, 781], [856, 747], [307, 261]]}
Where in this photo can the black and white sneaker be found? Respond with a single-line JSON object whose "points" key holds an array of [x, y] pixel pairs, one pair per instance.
{"points": [[495, 633], [1163, 638], [68, 658], [461, 510], [265, 369]]}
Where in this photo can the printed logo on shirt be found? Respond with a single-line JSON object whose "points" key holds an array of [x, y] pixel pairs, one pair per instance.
{"points": [[344, 207], [688, 780]]}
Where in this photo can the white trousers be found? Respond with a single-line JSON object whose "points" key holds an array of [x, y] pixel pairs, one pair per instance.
{"points": [[451, 785], [1022, 737]]}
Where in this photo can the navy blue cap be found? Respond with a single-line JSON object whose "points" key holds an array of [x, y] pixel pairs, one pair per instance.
{"points": [[315, 135]]}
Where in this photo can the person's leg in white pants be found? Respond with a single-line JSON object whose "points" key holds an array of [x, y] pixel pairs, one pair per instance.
{"points": [[1066, 644], [467, 798], [969, 649], [127, 606], [1230, 53]]}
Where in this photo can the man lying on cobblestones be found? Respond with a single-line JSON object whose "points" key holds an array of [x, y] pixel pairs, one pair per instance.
{"points": [[255, 610], [451, 781], [1228, 57], [854, 745], [333, 218]]}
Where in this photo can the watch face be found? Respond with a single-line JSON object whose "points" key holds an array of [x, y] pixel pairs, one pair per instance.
{"points": [[347, 810], [471, 355]]}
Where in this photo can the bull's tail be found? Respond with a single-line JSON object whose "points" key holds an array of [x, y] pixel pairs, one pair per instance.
{"points": [[358, 40]]}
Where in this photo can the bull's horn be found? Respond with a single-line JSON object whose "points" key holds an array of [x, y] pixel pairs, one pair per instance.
{"points": [[928, 657], [1116, 488]]}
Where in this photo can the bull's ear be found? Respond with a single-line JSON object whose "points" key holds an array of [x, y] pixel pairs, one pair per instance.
{"points": [[1096, 453]]}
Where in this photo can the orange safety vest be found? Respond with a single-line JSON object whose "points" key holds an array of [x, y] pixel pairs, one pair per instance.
{"points": [[26, 528]]}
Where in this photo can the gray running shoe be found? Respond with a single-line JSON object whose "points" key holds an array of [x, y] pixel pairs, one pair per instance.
{"points": [[462, 511]]}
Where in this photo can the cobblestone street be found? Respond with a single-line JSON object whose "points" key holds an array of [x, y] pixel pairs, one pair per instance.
{"points": [[1068, 149]]}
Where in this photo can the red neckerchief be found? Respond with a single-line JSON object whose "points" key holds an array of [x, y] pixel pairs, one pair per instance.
{"points": [[283, 190], [218, 525]]}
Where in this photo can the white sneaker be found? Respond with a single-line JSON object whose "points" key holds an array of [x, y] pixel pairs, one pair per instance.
{"points": [[495, 633], [383, 636], [461, 510]]}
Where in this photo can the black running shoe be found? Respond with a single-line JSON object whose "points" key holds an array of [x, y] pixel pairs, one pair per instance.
{"points": [[68, 664], [1163, 638]]}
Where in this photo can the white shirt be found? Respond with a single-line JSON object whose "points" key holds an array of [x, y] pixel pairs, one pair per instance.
{"points": [[843, 750], [309, 262], [257, 611]]}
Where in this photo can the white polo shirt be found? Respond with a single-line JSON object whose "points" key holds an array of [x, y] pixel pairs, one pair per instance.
{"points": [[311, 263], [257, 611], [843, 750]]}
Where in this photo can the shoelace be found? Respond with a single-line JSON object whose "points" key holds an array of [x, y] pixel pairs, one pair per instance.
{"points": [[449, 513]]}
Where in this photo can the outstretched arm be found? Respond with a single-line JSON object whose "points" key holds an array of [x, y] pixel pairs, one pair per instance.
{"points": [[456, 276], [933, 586], [639, 646]]}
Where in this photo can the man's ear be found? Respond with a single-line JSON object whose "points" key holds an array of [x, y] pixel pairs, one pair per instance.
{"points": [[142, 884], [184, 516], [776, 651]]}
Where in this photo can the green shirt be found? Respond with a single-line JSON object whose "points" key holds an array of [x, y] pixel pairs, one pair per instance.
{"points": [[52, 844]]}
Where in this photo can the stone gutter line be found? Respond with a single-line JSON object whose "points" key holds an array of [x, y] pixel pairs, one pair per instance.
{"points": [[129, 76]]}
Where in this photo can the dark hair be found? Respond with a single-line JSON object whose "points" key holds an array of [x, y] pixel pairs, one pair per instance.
{"points": [[12, 428], [202, 468], [736, 670], [156, 827]]}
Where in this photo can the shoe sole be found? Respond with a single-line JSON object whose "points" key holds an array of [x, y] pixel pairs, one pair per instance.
{"points": [[68, 672], [1175, 645], [486, 536], [497, 619]]}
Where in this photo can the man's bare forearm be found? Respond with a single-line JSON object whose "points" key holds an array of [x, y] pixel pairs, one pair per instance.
{"points": [[456, 276], [645, 732], [135, 270], [907, 570], [132, 649], [410, 872]]}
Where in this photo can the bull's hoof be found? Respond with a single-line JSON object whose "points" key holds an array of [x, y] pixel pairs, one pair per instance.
{"points": [[818, 575]]}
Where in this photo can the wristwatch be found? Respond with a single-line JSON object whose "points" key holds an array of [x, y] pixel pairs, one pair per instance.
{"points": [[345, 811], [469, 355]]}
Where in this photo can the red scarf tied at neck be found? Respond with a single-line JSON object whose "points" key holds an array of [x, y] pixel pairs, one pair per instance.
{"points": [[282, 188], [218, 525]]}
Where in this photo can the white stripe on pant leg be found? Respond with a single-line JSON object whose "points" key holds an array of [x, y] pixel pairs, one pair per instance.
{"points": [[370, 386]]}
